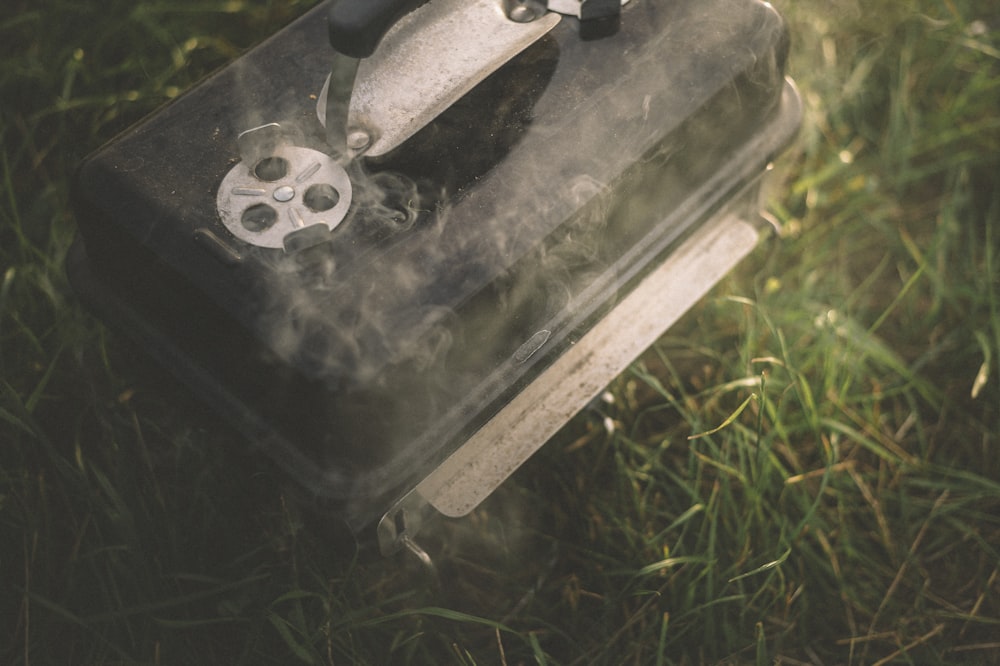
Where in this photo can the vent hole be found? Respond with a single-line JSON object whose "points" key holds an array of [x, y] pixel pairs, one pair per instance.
{"points": [[258, 217], [271, 169], [321, 197]]}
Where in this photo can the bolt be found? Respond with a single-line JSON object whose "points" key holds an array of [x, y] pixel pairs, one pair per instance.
{"points": [[524, 11], [358, 140], [522, 14], [284, 193]]}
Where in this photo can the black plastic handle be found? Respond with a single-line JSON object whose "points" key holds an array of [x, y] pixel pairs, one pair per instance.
{"points": [[357, 26]]}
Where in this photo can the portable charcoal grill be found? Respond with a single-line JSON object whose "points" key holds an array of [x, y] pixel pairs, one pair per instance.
{"points": [[401, 278]]}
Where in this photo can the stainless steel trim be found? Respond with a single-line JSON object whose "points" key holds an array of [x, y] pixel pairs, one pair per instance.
{"points": [[492, 454]]}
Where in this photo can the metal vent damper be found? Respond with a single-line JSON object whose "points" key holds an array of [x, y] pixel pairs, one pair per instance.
{"points": [[280, 195]]}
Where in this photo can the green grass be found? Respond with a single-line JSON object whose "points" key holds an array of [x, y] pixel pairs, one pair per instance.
{"points": [[847, 512]]}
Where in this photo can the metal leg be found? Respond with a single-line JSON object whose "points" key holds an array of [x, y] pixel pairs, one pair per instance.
{"points": [[425, 560], [398, 527]]}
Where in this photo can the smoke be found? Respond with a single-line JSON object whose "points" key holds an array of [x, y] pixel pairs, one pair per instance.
{"points": [[522, 209]]}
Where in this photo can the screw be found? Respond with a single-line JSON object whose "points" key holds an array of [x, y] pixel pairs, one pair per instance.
{"points": [[284, 193], [524, 11], [358, 140], [522, 14]]}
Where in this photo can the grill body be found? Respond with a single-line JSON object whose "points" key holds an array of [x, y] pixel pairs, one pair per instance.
{"points": [[471, 260]]}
